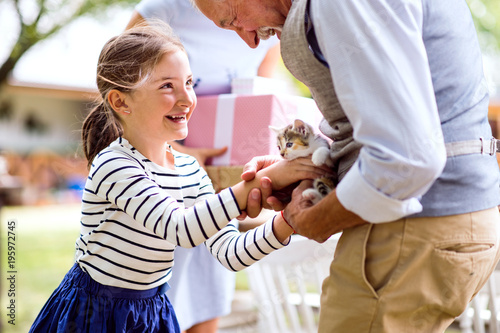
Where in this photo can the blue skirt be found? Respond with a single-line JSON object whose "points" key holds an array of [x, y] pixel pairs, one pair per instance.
{"points": [[81, 304]]}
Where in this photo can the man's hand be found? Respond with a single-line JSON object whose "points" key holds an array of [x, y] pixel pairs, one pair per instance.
{"points": [[319, 221]]}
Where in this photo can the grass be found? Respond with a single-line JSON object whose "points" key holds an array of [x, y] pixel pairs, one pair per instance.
{"points": [[44, 246]]}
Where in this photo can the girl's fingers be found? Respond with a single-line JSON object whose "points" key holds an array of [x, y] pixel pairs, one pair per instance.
{"points": [[256, 164]]}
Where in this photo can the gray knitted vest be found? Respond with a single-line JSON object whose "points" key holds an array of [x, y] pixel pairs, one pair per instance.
{"points": [[306, 68], [468, 183]]}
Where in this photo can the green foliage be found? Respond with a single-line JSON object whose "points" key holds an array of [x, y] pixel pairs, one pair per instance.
{"points": [[486, 15], [39, 19]]}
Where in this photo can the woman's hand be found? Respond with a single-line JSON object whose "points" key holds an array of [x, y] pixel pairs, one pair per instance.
{"points": [[201, 154]]}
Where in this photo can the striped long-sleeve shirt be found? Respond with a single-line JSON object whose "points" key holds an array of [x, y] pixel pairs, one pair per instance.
{"points": [[135, 212]]}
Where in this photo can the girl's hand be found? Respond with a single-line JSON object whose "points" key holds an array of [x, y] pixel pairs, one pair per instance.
{"points": [[275, 173], [257, 163]]}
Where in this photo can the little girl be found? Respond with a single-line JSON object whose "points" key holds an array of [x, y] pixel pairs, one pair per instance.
{"points": [[142, 199]]}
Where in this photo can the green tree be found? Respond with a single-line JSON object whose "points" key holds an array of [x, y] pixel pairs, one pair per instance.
{"points": [[39, 19]]}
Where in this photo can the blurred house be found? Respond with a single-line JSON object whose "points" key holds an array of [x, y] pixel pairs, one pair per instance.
{"points": [[37, 117], [40, 143], [42, 107]]}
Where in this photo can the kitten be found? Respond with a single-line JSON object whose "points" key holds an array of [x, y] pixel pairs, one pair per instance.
{"points": [[321, 187], [299, 140]]}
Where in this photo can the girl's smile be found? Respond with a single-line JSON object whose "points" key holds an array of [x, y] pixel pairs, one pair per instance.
{"points": [[160, 108]]}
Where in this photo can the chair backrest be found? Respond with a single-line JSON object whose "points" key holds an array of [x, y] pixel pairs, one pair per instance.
{"points": [[287, 285]]}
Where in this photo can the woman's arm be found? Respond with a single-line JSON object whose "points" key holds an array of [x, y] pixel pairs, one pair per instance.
{"points": [[135, 19], [201, 154], [270, 62]]}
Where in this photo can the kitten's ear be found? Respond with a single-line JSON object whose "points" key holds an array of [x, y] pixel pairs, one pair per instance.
{"points": [[300, 126], [298, 123], [275, 129]]}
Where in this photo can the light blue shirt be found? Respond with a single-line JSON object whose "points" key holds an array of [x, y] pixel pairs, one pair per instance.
{"points": [[394, 65]]}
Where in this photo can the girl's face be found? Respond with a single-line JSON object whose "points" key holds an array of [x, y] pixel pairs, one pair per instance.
{"points": [[160, 109]]}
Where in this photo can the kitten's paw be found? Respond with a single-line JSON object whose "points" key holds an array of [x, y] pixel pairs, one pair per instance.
{"points": [[321, 156], [312, 195]]}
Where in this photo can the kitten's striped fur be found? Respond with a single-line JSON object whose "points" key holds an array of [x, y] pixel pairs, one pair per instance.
{"points": [[299, 140]]}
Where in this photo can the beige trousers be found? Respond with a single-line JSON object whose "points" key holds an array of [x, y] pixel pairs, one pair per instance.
{"points": [[412, 275]]}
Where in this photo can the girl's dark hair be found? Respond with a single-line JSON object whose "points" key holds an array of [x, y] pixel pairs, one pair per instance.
{"points": [[125, 63]]}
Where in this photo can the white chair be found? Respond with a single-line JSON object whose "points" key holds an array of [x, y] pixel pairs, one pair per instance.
{"points": [[483, 313], [287, 285]]}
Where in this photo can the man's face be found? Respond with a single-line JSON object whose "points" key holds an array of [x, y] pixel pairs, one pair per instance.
{"points": [[251, 20]]}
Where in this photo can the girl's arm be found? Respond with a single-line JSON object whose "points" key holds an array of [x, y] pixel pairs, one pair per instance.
{"points": [[119, 178], [236, 251]]}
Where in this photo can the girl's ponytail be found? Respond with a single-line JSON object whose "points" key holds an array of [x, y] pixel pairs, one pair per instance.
{"points": [[100, 128]]}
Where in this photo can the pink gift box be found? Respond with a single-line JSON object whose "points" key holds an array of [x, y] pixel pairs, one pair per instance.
{"points": [[241, 122]]}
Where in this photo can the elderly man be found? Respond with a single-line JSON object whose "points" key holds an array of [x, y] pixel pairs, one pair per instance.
{"points": [[401, 88]]}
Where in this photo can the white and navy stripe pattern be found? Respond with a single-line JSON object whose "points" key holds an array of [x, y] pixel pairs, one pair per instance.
{"points": [[135, 212]]}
